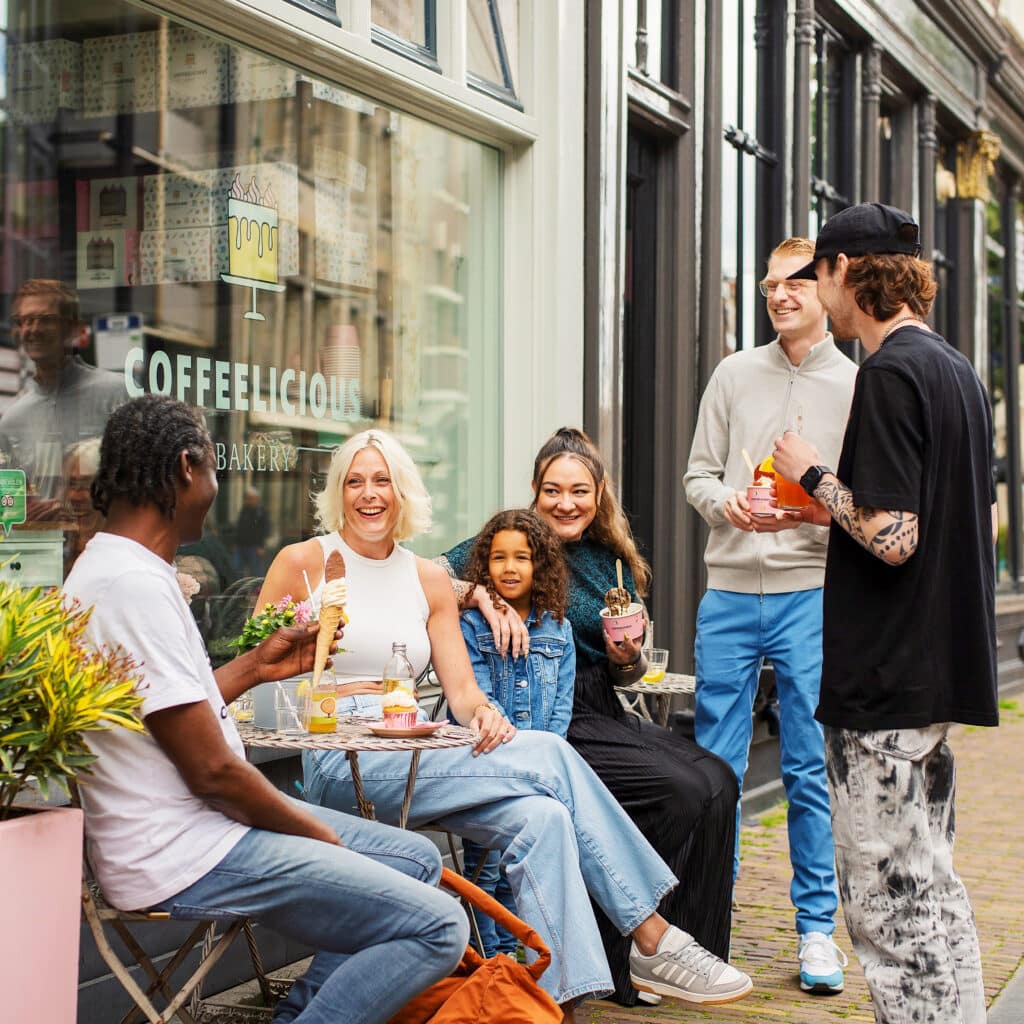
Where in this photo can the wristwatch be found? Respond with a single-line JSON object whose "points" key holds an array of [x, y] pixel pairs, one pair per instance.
{"points": [[810, 480]]}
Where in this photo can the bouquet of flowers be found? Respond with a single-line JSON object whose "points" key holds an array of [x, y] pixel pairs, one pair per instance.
{"points": [[273, 616]]}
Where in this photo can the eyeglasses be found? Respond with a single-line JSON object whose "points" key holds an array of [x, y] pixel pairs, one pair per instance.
{"points": [[44, 320], [793, 287]]}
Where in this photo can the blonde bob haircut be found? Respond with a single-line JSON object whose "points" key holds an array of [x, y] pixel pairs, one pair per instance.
{"points": [[414, 513]]}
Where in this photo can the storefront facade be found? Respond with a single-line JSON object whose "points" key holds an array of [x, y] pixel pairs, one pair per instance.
{"points": [[752, 120], [305, 218]]}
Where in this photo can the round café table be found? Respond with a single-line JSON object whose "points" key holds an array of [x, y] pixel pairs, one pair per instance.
{"points": [[354, 737], [664, 690]]}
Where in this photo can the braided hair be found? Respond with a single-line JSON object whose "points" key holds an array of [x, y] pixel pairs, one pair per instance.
{"points": [[141, 446]]}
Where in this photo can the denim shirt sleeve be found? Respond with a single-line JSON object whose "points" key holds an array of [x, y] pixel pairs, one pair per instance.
{"points": [[561, 711], [481, 668]]}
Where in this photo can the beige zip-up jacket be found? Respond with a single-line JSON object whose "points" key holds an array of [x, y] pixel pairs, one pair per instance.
{"points": [[751, 398]]}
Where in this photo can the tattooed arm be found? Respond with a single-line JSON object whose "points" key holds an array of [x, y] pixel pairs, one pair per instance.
{"points": [[890, 535]]}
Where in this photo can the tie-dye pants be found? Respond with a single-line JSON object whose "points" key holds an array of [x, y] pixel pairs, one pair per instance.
{"points": [[908, 914]]}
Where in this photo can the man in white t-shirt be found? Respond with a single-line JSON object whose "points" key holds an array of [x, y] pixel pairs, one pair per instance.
{"points": [[176, 818]]}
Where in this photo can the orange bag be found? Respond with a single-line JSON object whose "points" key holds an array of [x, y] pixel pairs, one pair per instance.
{"points": [[479, 991]]}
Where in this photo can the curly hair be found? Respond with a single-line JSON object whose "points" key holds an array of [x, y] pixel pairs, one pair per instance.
{"points": [[550, 573], [141, 445], [610, 526], [882, 285]]}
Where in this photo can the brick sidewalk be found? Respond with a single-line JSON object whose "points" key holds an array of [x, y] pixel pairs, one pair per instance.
{"points": [[990, 838]]}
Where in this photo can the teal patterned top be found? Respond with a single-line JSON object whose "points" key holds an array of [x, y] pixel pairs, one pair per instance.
{"points": [[591, 575]]}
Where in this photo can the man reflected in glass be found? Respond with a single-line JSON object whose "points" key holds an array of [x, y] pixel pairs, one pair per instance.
{"points": [[64, 400]]}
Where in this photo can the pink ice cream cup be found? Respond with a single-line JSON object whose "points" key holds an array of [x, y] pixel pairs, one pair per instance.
{"points": [[759, 496], [618, 627]]}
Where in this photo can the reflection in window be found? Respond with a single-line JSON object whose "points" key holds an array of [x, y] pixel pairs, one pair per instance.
{"points": [[743, 157], [298, 261], [832, 127], [995, 257], [492, 45], [413, 21]]}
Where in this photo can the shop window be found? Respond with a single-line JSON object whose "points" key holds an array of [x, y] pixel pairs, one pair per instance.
{"points": [[748, 159], [1001, 293], [649, 37], [833, 150], [298, 261], [944, 254], [492, 47], [407, 26]]}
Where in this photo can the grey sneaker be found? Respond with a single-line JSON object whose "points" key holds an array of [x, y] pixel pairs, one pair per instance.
{"points": [[684, 969]]}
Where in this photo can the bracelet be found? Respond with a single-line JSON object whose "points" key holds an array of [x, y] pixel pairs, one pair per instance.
{"points": [[487, 704], [631, 667]]}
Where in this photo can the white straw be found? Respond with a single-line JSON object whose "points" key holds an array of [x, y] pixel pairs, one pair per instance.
{"points": [[747, 460], [309, 591]]}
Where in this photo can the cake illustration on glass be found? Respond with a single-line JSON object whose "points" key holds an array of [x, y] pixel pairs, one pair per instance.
{"points": [[252, 241], [99, 254]]}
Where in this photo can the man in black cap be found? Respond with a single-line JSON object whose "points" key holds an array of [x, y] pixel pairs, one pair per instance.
{"points": [[909, 615]]}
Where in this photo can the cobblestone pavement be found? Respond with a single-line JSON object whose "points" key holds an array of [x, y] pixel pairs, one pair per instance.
{"points": [[990, 838]]}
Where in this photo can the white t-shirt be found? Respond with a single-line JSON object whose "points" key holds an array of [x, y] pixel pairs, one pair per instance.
{"points": [[148, 836]]}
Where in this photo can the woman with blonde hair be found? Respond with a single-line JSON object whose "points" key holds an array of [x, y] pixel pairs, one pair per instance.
{"points": [[681, 797], [563, 838]]}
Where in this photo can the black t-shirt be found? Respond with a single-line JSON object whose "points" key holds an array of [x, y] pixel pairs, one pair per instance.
{"points": [[910, 645]]}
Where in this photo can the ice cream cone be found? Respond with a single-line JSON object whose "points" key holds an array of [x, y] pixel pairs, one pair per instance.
{"points": [[329, 619]]}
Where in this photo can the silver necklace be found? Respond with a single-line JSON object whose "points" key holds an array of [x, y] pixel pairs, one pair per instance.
{"points": [[896, 323]]}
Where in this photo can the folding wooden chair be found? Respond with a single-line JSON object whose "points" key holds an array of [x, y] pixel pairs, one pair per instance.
{"points": [[99, 915]]}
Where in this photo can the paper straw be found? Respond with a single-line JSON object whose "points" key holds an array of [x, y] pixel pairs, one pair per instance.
{"points": [[288, 704], [309, 591], [749, 462]]}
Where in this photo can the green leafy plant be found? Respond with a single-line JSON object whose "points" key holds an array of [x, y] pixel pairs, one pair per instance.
{"points": [[54, 689], [259, 626]]}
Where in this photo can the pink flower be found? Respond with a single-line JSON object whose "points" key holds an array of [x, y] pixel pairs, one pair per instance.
{"points": [[303, 613], [282, 605]]}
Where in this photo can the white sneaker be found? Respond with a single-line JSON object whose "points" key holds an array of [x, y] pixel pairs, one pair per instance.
{"points": [[821, 964], [684, 969], [648, 998]]}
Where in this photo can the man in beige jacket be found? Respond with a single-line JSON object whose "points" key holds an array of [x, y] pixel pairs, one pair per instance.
{"points": [[765, 579]]}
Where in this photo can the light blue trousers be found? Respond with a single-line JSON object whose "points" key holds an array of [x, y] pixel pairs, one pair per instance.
{"points": [[735, 633], [563, 837], [370, 904]]}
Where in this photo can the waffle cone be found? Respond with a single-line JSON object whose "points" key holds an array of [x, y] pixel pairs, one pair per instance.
{"points": [[329, 619]]}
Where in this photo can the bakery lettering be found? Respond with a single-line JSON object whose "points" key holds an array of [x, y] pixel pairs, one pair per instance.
{"points": [[242, 387], [256, 458]]}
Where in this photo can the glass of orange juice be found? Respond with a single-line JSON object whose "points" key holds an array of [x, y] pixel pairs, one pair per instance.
{"points": [[788, 495]]}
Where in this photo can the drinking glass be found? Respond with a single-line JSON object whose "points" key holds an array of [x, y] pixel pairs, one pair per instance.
{"points": [[657, 663]]}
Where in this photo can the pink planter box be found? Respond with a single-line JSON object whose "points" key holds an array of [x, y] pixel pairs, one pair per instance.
{"points": [[41, 872]]}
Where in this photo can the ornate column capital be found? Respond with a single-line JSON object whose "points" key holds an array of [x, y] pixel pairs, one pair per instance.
{"points": [[871, 71], [803, 23], [975, 158], [927, 137]]}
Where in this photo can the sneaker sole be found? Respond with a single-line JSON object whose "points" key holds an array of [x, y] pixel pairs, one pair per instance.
{"points": [[711, 999], [821, 988]]}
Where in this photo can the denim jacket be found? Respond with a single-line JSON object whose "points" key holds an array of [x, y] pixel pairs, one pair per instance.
{"points": [[534, 692]]}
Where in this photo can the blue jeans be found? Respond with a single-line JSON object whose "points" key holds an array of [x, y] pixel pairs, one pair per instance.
{"points": [[907, 911], [495, 939], [370, 900], [563, 838], [735, 633]]}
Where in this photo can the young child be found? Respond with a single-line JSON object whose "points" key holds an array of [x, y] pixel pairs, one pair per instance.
{"points": [[518, 558]]}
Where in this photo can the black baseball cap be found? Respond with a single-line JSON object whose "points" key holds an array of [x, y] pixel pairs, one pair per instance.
{"points": [[866, 229]]}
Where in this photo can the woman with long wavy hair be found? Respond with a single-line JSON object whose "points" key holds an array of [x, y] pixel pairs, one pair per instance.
{"points": [[682, 797]]}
